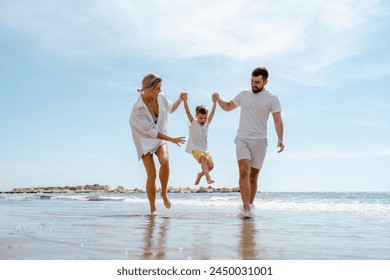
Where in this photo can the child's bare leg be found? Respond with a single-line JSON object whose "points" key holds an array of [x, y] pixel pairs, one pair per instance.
{"points": [[200, 175], [210, 167], [205, 169]]}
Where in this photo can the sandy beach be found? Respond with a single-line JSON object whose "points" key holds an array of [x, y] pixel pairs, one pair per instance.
{"points": [[286, 226]]}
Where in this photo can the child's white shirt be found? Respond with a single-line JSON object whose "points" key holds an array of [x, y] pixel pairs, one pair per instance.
{"points": [[197, 139]]}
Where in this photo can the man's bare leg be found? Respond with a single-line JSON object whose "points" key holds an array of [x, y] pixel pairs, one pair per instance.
{"points": [[254, 175], [244, 183]]}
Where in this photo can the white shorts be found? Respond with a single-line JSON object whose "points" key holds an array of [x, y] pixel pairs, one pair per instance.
{"points": [[252, 149]]}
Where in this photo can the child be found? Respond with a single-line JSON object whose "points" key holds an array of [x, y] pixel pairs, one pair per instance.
{"points": [[197, 140]]}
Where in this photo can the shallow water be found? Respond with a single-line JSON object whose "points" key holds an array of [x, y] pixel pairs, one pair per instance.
{"points": [[198, 226]]}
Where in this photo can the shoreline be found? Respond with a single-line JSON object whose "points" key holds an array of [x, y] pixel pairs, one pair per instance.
{"points": [[96, 188]]}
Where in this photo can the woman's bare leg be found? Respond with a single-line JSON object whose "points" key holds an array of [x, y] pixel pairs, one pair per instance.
{"points": [[163, 158], [150, 181]]}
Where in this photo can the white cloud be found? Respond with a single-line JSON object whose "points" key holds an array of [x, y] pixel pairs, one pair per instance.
{"points": [[239, 29], [303, 38]]}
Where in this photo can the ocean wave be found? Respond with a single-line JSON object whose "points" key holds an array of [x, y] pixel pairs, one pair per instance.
{"points": [[263, 205], [65, 197], [325, 207], [351, 203], [91, 198]]}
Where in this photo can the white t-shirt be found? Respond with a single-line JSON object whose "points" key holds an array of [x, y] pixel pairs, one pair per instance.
{"points": [[197, 139], [143, 127], [255, 111]]}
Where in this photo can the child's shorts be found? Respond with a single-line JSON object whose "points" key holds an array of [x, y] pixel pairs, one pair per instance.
{"points": [[198, 154]]}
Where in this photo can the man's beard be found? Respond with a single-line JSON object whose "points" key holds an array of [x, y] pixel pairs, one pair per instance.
{"points": [[256, 89]]}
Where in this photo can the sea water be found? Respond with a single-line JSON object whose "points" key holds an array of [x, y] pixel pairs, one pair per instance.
{"points": [[285, 226]]}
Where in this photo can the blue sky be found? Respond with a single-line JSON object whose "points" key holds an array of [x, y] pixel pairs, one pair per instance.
{"points": [[69, 71]]}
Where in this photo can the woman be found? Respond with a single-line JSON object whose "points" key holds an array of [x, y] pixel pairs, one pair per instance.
{"points": [[148, 122]]}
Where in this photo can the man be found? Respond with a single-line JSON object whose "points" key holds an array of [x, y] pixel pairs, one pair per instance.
{"points": [[251, 140]]}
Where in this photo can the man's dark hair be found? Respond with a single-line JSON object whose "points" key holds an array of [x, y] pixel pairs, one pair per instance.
{"points": [[201, 109], [260, 71]]}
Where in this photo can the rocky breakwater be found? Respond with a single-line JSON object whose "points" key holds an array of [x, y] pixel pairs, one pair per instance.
{"points": [[208, 189], [96, 188]]}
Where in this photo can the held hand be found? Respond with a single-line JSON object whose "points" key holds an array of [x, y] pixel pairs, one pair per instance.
{"points": [[178, 140], [184, 96], [281, 146], [215, 97]]}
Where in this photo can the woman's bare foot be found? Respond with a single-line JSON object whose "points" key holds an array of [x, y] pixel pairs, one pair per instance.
{"points": [[198, 178], [153, 210], [166, 201]]}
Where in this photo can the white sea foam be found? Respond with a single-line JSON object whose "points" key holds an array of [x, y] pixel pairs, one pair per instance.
{"points": [[363, 203], [325, 207], [263, 205], [279, 205]]}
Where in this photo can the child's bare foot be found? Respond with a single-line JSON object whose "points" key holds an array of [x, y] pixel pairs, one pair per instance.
{"points": [[166, 201], [198, 178], [210, 181]]}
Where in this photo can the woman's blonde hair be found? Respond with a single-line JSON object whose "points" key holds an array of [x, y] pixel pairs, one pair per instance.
{"points": [[148, 82]]}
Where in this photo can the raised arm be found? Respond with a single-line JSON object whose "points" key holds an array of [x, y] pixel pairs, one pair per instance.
{"points": [[176, 104], [226, 106], [188, 112], [211, 115], [184, 98]]}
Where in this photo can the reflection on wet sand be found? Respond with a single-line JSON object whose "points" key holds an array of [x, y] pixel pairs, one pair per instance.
{"points": [[248, 247], [202, 239], [155, 246]]}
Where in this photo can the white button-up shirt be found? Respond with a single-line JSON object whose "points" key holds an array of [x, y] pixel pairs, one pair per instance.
{"points": [[144, 130]]}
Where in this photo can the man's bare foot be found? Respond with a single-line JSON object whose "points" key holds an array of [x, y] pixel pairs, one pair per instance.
{"points": [[198, 178], [153, 213], [210, 181], [246, 215], [246, 212], [166, 201]]}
